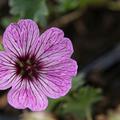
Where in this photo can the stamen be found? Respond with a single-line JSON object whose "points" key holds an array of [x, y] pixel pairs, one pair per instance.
{"points": [[27, 67]]}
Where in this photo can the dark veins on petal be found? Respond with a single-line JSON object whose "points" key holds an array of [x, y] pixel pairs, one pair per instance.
{"points": [[28, 67]]}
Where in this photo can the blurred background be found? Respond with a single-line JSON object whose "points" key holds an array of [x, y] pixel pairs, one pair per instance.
{"points": [[94, 29]]}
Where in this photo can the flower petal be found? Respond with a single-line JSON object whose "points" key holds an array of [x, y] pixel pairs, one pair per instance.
{"points": [[18, 38], [27, 95], [67, 67], [6, 80], [55, 78], [54, 86], [53, 42], [7, 71]]}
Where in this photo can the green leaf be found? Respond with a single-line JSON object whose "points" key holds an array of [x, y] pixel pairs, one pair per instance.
{"points": [[32, 9], [67, 5], [78, 81], [55, 103], [80, 105], [5, 21]]}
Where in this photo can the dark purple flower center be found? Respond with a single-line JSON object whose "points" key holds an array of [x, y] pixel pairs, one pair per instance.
{"points": [[27, 67]]}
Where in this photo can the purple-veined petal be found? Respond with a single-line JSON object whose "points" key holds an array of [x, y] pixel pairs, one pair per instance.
{"points": [[53, 42], [18, 38], [7, 71], [24, 94], [55, 79], [6, 58], [6, 80], [54, 86], [67, 67], [57, 52]]}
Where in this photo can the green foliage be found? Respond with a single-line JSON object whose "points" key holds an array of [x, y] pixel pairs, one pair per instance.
{"points": [[66, 5], [82, 101], [6, 20], [78, 81], [33, 9], [43, 10], [78, 102]]}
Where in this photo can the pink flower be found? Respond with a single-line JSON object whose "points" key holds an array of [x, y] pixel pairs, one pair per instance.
{"points": [[35, 66]]}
